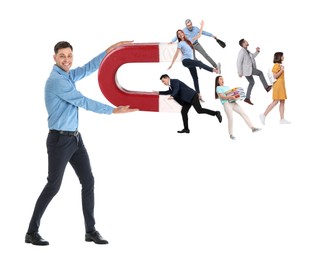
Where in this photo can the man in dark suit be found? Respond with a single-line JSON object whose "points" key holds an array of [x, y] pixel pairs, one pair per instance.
{"points": [[186, 97]]}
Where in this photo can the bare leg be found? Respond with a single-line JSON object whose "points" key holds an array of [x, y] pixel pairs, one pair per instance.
{"points": [[281, 108], [270, 107]]}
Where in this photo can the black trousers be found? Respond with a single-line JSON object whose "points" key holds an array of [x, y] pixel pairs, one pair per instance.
{"points": [[62, 149], [198, 108]]}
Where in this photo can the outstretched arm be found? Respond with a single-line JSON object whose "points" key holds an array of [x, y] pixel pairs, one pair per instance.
{"points": [[124, 109], [173, 40], [257, 52], [200, 32], [209, 34], [174, 57]]}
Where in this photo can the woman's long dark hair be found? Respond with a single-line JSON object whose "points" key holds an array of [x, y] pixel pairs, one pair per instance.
{"points": [[185, 39], [216, 84]]}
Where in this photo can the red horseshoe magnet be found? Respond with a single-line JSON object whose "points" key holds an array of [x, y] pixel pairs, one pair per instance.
{"points": [[133, 53]]}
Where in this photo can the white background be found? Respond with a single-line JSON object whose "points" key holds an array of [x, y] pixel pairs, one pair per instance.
{"points": [[161, 195]]}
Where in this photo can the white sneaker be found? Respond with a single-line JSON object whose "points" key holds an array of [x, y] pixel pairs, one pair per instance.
{"points": [[284, 121], [219, 71], [262, 118], [232, 137]]}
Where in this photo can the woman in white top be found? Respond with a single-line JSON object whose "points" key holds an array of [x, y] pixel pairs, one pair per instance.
{"points": [[230, 104]]}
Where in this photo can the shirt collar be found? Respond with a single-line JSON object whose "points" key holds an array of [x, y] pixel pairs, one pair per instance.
{"points": [[60, 71], [169, 83]]}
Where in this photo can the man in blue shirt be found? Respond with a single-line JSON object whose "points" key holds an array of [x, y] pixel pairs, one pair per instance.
{"points": [[64, 142], [190, 32]]}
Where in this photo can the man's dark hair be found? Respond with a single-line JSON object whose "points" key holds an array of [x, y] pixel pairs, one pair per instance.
{"points": [[62, 45], [241, 42], [163, 76]]}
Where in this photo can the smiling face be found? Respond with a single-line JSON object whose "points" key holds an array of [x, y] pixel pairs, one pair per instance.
{"points": [[64, 58], [189, 25], [180, 34]]}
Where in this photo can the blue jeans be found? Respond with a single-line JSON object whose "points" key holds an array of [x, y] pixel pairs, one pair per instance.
{"points": [[191, 65]]}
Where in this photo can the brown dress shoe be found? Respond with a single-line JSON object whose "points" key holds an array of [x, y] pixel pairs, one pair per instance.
{"points": [[268, 88], [247, 100]]}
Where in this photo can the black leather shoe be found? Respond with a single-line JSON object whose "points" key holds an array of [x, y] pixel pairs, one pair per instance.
{"points": [[187, 131], [95, 237], [35, 239], [247, 100], [219, 116]]}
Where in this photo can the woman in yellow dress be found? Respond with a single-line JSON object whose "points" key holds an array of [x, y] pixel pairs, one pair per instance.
{"points": [[279, 91]]}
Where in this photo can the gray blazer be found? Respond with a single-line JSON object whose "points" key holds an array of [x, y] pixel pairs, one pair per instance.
{"points": [[245, 62]]}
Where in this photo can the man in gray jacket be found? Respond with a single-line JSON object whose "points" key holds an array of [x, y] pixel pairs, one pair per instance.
{"points": [[246, 66]]}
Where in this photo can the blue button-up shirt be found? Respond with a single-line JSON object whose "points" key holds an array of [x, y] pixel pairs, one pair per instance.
{"points": [[191, 34], [187, 51], [62, 99]]}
